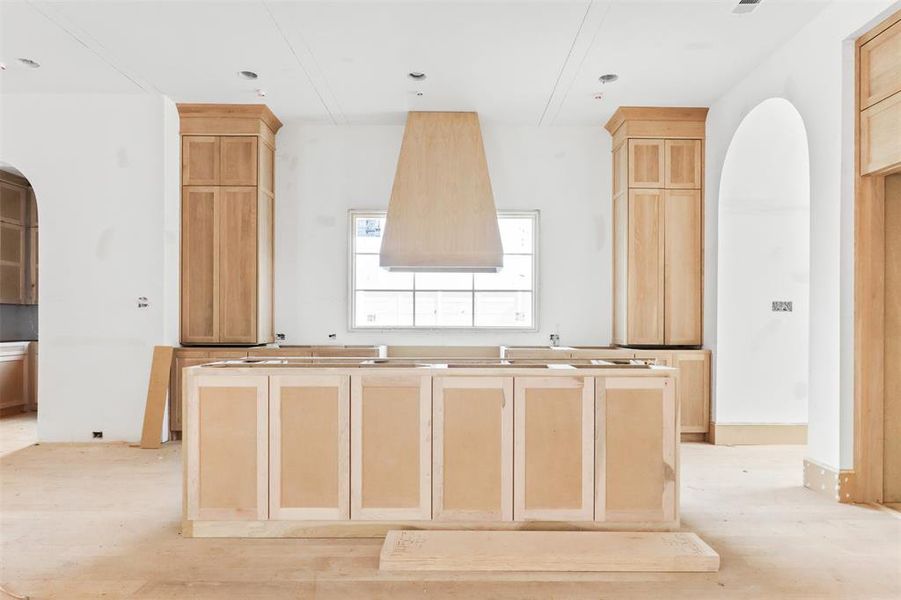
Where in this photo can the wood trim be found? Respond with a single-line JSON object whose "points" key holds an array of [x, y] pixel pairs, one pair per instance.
{"points": [[324, 513], [828, 481], [654, 113], [879, 28], [867, 98], [752, 434], [505, 512], [13, 179], [230, 111]]}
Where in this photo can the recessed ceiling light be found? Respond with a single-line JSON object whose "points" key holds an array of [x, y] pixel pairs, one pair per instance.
{"points": [[247, 75], [608, 78], [416, 75], [29, 63]]}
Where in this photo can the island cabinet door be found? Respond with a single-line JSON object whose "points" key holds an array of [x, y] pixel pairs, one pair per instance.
{"points": [[473, 449], [391, 447], [309, 447], [226, 436], [637, 421], [553, 433]]}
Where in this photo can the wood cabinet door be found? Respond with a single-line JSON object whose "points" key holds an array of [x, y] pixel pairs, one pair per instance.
{"points": [[227, 442], [12, 381], [880, 136], [472, 470], [199, 160], [238, 265], [12, 204], [693, 390], [553, 437], [646, 163], [238, 160], [636, 450], [880, 66], [621, 169], [309, 447], [391, 447], [12, 263], [200, 265], [183, 359], [683, 164], [683, 259], [645, 316]]}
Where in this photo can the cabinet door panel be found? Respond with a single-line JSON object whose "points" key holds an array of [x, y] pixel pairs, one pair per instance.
{"points": [[391, 447], [473, 448], [12, 204], [646, 163], [183, 360], [880, 66], [693, 391], [227, 445], [12, 263], [683, 259], [200, 265], [309, 447], [238, 160], [645, 314], [683, 164], [880, 135], [199, 160], [238, 265], [553, 439], [636, 450]]}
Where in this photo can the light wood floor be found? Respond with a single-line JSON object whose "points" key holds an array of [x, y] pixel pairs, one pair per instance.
{"points": [[90, 521], [17, 432]]}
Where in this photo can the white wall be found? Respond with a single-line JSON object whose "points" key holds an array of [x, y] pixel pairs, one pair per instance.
{"points": [[764, 222], [323, 171], [810, 71], [96, 163]]}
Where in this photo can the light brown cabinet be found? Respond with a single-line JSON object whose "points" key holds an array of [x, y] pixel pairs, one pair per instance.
{"points": [[658, 226], [227, 223], [553, 439], [472, 474], [692, 385], [391, 447], [880, 66], [12, 263], [18, 241]]}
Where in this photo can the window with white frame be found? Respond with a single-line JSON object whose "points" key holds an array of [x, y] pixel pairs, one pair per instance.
{"points": [[385, 300]]}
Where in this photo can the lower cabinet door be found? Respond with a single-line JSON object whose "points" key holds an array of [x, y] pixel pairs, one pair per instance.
{"points": [[636, 450], [309, 447], [693, 390], [391, 447], [553, 449], [473, 449], [227, 448]]}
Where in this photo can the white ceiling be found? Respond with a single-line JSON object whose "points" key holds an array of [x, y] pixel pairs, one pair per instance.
{"points": [[346, 62]]}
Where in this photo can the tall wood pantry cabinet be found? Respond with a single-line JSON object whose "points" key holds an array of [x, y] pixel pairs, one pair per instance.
{"points": [[228, 190], [658, 225]]}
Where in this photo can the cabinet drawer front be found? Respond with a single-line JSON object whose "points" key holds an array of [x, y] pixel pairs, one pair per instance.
{"points": [[309, 447], [391, 447], [636, 453], [227, 441], [473, 448], [880, 66], [553, 439], [200, 160], [646, 163]]}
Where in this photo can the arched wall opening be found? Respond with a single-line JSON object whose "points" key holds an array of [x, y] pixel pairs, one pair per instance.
{"points": [[764, 257]]}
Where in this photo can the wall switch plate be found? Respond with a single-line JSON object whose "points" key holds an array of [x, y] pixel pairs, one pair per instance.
{"points": [[279, 337], [782, 305], [143, 302]]}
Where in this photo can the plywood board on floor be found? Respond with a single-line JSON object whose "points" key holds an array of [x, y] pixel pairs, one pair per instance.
{"points": [[594, 551]]}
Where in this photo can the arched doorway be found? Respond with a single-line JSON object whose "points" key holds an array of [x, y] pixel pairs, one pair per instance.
{"points": [[18, 310], [764, 262]]}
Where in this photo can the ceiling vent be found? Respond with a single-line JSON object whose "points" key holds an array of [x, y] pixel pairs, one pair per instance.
{"points": [[441, 216], [745, 6]]}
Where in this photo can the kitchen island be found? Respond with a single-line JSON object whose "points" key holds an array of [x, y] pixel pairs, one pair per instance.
{"points": [[330, 447]]}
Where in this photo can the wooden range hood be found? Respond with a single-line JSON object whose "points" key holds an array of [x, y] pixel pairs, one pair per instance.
{"points": [[441, 216]]}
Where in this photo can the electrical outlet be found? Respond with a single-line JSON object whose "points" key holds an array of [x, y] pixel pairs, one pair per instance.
{"points": [[782, 305], [98, 435], [280, 337]]}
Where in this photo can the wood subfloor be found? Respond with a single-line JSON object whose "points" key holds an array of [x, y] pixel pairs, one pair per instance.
{"points": [[101, 521]]}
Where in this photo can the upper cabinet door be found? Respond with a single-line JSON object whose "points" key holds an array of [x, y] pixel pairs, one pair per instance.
{"points": [[12, 263], [473, 449], [391, 447], [682, 267], [199, 160], [12, 204], [880, 66], [644, 299], [227, 448], [880, 136], [309, 447], [646, 163], [636, 450], [238, 265], [200, 265], [683, 164], [553, 449], [238, 160]]}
